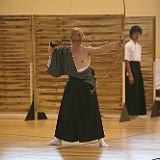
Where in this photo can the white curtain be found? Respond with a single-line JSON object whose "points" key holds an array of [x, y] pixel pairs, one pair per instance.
{"points": [[158, 74]]}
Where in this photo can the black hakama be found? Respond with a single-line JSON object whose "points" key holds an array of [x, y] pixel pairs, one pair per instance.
{"points": [[135, 97], [79, 117]]}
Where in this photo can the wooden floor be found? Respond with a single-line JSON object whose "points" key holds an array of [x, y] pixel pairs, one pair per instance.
{"points": [[134, 140]]}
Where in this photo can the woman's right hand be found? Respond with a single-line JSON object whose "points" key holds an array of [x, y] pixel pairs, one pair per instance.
{"points": [[131, 79]]}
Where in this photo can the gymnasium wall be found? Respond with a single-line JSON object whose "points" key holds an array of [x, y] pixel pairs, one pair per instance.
{"points": [[65, 7], [24, 41]]}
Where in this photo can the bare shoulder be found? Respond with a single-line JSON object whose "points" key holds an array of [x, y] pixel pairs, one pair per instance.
{"points": [[85, 49], [89, 49]]}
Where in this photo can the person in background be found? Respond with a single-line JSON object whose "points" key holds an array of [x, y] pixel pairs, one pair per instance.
{"points": [[135, 96]]}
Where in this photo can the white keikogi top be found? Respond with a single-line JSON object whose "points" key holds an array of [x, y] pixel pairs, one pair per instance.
{"points": [[132, 51]]}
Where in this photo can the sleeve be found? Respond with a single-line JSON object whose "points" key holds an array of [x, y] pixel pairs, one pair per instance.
{"points": [[126, 52], [49, 61], [56, 63]]}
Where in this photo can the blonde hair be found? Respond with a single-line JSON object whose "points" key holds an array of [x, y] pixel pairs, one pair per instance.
{"points": [[75, 29]]}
